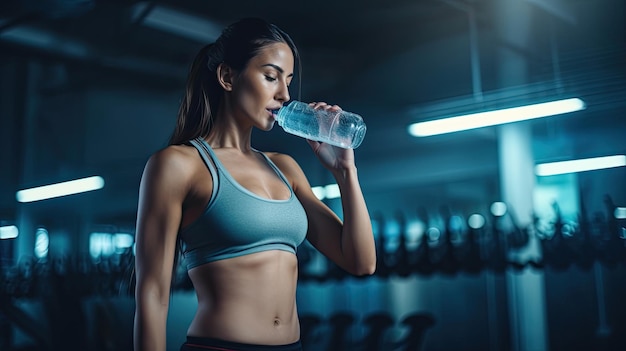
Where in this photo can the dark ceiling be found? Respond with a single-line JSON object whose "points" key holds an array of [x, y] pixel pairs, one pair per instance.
{"points": [[394, 62]]}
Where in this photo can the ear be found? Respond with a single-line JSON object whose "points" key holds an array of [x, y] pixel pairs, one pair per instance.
{"points": [[225, 76]]}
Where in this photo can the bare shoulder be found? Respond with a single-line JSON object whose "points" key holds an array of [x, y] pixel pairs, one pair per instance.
{"points": [[175, 153], [292, 170], [174, 162], [286, 163]]}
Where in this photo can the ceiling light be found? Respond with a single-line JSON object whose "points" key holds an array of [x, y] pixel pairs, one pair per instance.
{"points": [[330, 191], [44, 40], [582, 165], [8, 232], [60, 189], [491, 118], [176, 22], [319, 192]]}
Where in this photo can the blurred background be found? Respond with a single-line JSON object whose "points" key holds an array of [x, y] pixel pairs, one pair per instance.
{"points": [[479, 248]]}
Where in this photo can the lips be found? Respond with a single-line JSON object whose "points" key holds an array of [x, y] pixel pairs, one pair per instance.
{"points": [[273, 111]]}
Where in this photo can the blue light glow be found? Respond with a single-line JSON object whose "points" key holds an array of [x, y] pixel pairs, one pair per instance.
{"points": [[60, 189], [581, 165], [491, 118], [9, 232]]}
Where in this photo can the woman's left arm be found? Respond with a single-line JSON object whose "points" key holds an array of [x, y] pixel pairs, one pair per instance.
{"points": [[349, 244], [358, 250]]}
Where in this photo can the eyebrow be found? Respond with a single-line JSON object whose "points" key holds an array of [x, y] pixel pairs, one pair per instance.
{"points": [[278, 68]]}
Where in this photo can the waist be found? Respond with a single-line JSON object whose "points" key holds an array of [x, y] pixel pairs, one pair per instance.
{"points": [[249, 299]]}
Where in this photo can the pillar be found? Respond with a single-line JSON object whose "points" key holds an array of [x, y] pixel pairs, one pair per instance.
{"points": [[525, 289]]}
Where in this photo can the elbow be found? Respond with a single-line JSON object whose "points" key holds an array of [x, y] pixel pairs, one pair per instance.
{"points": [[365, 272], [365, 268]]}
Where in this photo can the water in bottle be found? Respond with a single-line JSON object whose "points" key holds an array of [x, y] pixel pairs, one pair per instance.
{"points": [[340, 128]]}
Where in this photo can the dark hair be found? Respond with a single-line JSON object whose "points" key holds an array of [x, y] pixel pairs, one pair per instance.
{"points": [[237, 44]]}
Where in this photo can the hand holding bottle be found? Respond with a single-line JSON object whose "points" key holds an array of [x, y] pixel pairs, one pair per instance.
{"points": [[331, 156], [323, 123]]}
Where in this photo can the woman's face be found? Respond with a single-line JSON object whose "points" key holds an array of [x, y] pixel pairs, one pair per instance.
{"points": [[263, 86]]}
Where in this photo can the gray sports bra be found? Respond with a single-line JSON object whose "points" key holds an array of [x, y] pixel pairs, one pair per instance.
{"points": [[237, 222]]}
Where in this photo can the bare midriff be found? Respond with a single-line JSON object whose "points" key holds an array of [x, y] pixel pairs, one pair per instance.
{"points": [[247, 299]]}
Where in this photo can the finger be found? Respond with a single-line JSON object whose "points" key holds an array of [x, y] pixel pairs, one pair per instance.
{"points": [[334, 108], [318, 105], [314, 144]]}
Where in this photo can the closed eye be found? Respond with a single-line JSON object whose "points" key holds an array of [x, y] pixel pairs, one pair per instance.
{"points": [[270, 79]]}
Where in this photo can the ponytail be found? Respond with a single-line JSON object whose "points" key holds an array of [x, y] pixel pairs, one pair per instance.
{"points": [[202, 97]]}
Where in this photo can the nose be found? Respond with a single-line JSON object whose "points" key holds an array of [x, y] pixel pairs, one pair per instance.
{"points": [[282, 94]]}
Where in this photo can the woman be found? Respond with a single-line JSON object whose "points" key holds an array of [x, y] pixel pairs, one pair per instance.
{"points": [[239, 213]]}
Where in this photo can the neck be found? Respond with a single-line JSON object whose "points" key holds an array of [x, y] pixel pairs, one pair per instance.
{"points": [[227, 133]]}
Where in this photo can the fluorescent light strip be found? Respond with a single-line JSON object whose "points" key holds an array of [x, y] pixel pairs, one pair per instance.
{"points": [[330, 191], [319, 192], [491, 118], [41, 39], [8, 232], [179, 23], [60, 189], [582, 165]]}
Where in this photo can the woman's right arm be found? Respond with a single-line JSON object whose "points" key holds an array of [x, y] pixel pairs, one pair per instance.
{"points": [[164, 185]]}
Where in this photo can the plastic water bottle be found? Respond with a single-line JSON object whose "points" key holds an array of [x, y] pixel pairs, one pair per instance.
{"points": [[340, 128]]}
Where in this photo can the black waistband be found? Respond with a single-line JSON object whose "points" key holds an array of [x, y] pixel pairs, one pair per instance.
{"points": [[197, 343]]}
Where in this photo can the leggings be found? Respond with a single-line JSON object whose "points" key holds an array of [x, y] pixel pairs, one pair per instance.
{"points": [[203, 344]]}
